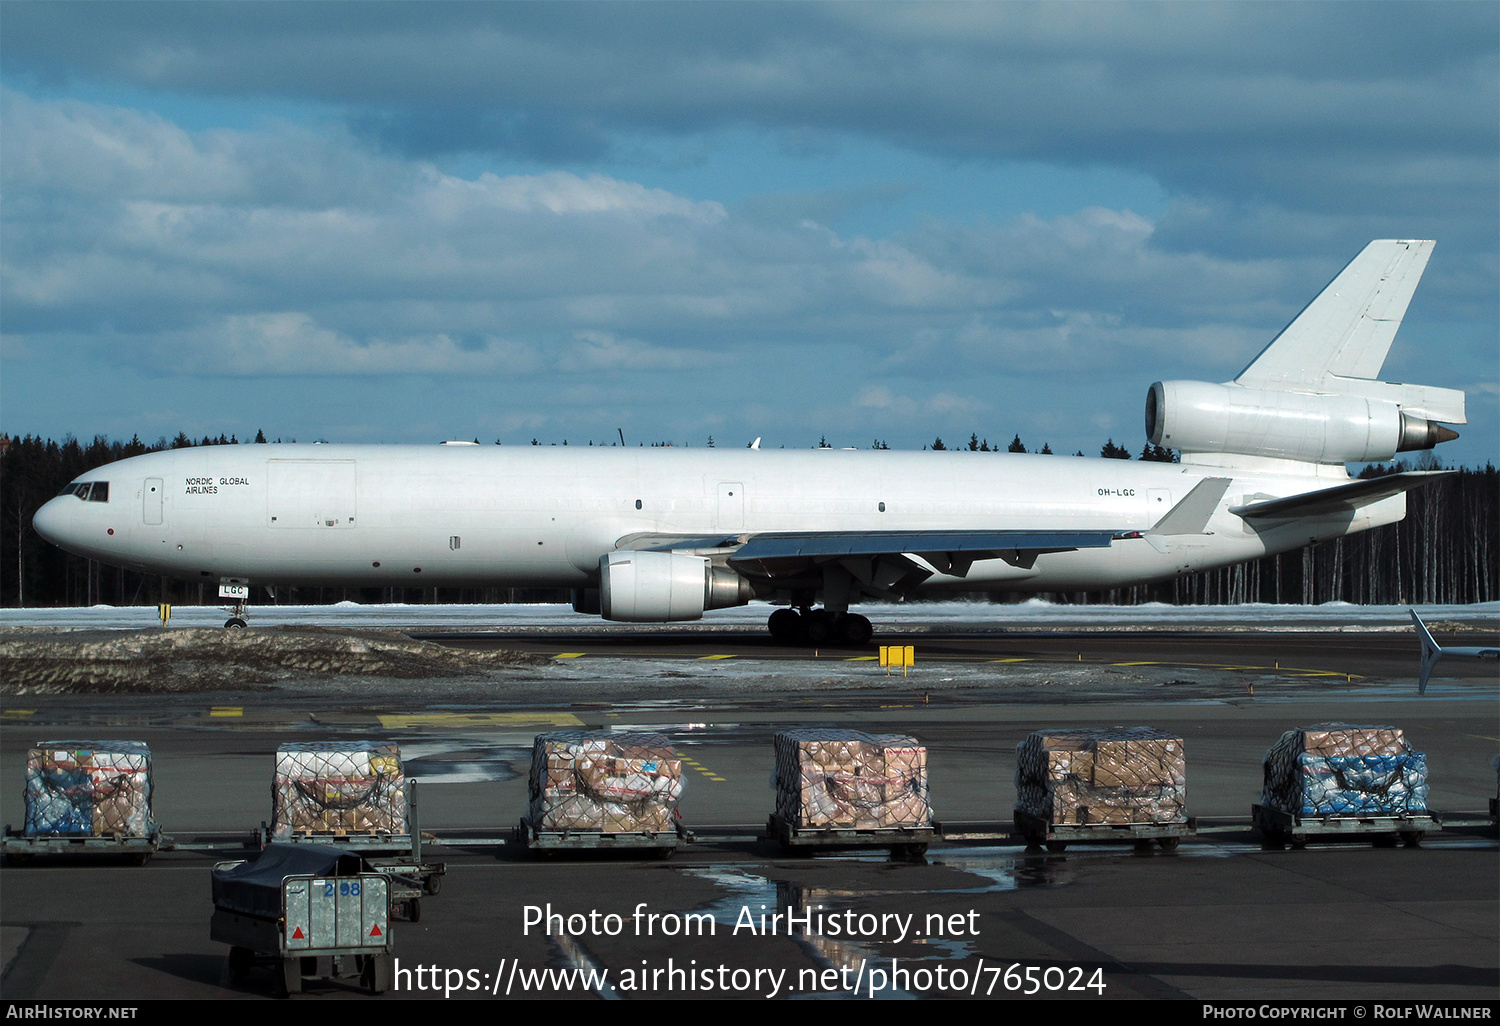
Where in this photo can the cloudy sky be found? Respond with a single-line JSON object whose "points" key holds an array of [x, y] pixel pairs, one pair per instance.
{"points": [[381, 222]]}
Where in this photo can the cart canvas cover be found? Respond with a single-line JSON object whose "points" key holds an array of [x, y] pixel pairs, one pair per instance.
{"points": [[338, 788], [1344, 769], [603, 781], [847, 779], [254, 888], [1113, 776], [89, 789]]}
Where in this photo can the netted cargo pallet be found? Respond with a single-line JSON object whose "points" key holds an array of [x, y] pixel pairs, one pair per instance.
{"points": [[1101, 784], [351, 794], [1343, 780], [86, 797], [603, 790], [847, 788]]}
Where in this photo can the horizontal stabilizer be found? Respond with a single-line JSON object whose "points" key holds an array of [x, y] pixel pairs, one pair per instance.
{"points": [[1190, 516], [1339, 499]]}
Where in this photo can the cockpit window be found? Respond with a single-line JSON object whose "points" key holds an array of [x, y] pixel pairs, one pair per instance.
{"points": [[88, 491]]}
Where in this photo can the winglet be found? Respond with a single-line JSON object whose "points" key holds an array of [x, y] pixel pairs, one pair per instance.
{"points": [[1431, 652]]}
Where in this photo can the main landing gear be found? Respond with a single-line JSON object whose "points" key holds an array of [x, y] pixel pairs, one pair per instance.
{"points": [[820, 627], [237, 621]]}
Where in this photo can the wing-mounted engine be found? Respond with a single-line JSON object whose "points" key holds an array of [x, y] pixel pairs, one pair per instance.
{"points": [[658, 587], [1195, 416]]}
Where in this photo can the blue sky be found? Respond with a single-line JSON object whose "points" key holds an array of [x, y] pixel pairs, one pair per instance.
{"points": [[405, 223]]}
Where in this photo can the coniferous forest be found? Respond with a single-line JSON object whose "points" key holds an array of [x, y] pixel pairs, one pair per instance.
{"points": [[1447, 550]]}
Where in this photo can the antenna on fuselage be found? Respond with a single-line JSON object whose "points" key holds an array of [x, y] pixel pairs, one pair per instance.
{"points": [[622, 436]]}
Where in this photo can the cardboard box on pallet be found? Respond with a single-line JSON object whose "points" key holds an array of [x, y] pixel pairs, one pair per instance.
{"points": [[1110, 776], [1343, 769], [848, 779], [89, 789], [338, 788], [605, 782]]}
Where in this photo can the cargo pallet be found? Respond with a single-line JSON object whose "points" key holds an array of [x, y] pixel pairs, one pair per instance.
{"points": [[1280, 828], [19, 848], [903, 841], [661, 843], [344, 912], [1057, 836]]}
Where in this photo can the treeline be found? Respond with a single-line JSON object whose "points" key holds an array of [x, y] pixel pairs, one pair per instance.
{"points": [[1447, 550]]}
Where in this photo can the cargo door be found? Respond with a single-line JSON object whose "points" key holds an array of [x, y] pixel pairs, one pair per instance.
{"points": [[311, 494]]}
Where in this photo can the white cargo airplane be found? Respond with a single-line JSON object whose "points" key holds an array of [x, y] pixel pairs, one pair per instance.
{"points": [[662, 534]]}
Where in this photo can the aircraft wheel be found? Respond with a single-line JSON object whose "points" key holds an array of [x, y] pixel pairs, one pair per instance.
{"points": [[856, 629], [819, 627], [1411, 838], [235, 623], [785, 625]]}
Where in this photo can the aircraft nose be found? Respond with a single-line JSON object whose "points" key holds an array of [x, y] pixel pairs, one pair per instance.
{"points": [[52, 521]]}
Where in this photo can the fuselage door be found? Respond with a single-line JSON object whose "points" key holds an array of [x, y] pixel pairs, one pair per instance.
{"points": [[731, 506], [1158, 503], [151, 499]]}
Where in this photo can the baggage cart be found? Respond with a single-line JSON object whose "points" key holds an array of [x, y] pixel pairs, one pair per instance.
{"points": [[19, 847], [1056, 837], [307, 912], [660, 843], [903, 841], [1280, 828]]}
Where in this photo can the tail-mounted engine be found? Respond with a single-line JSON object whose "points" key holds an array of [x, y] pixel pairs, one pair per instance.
{"points": [[657, 587], [1195, 416]]}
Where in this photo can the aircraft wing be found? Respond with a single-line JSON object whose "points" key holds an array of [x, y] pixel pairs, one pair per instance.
{"points": [[783, 554], [1340, 498]]}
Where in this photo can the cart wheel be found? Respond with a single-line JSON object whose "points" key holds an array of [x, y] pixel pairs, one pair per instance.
{"points": [[664, 853], [432, 883], [1298, 841], [1411, 838], [141, 858], [377, 973], [240, 960], [1057, 847], [291, 977], [414, 910], [1168, 843]]}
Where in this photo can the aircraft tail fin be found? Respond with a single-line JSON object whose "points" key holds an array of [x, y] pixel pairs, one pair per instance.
{"points": [[1431, 652], [1347, 330]]}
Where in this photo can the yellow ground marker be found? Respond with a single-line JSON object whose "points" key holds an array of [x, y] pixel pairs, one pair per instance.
{"points": [[569, 655], [551, 719], [716, 657], [226, 710], [15, 714], [861, 659], [710, 774]]}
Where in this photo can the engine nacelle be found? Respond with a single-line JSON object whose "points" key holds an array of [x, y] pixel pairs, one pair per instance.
{"points": [[657, 587], [1195, 416]]}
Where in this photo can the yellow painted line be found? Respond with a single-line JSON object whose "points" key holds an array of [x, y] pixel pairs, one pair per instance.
{"points": [[226, 710], [716, 657], [569, 655], [898, 707], [17, 713], [1012, 659], [861, 659], [553, 719]]}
